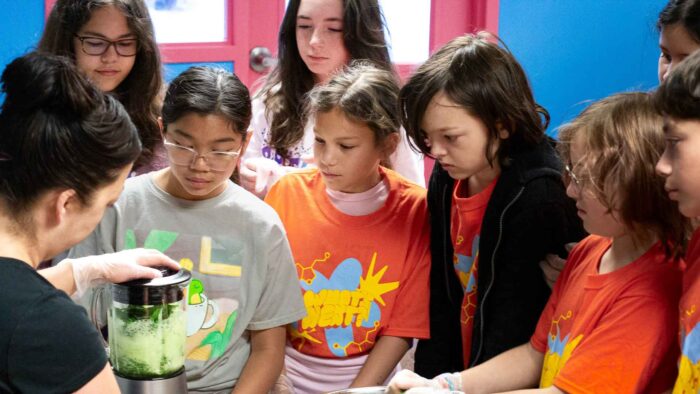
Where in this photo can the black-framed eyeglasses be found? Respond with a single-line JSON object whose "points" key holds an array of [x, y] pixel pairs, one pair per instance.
{"points": [[184, 156], [95, 46]]}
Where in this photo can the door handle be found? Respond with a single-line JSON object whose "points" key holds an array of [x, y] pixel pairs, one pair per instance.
{"points": [[261, 59]]}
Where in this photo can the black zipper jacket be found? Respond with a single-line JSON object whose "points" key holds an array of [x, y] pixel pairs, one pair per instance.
{"points": [[528, 216]]}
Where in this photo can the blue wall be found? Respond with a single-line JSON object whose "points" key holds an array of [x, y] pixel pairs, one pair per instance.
{"points": [[21, 23], [172, 70], [575, 51]]}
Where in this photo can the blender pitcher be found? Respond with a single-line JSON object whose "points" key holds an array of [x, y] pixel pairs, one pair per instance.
{"points": [[147, 331]]}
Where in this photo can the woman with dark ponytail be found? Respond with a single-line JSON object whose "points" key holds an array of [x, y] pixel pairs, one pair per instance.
{"points": [[65, 151]]}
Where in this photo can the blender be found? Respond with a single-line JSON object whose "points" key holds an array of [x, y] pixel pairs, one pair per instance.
{"points": [[147, 329]]}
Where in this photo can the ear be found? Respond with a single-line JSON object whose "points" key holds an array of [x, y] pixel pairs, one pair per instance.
{"points": [[503, 133], [248, 136], [160, 125], [63, 204], [391, 142]]}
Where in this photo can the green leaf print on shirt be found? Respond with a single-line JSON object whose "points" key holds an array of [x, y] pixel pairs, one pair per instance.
{"points": [[160, 240], [218, 340], [129, 240], [157, 239]]}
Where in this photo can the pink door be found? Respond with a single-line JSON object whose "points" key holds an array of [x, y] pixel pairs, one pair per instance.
{"points": [[452, 18], [248, 24]]}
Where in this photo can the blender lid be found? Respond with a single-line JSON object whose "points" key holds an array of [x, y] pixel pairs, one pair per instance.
{"points": [[170, 277]]}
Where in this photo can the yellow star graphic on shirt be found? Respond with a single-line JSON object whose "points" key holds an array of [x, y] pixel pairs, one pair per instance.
{"points": [[370, 285]]}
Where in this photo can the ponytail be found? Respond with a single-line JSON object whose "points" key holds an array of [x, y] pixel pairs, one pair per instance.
{"points": [[58, 131]]}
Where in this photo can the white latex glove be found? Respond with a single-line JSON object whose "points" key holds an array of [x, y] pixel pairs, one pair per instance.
{"points": [[247, 175], [255, 173], [416, 384], [258, 174], [117, 267]]}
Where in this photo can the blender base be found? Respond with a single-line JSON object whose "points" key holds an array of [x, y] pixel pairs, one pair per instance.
{"points": [[174, 385]]}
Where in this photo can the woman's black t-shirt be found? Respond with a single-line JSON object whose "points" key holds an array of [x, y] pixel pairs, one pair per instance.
{"points": [[47, 344]]}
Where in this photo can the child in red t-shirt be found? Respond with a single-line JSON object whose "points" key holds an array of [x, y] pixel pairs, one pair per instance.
{"points": [[359, 237], [678, 98], [610, 324]]}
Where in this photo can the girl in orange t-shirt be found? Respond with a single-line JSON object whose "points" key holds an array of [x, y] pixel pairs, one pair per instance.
{"points": [[677, 99], [610, 323], [359, 237]]}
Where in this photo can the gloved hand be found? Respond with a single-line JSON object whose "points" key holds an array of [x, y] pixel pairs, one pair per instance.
{"points": [[415, 384], [257, 175], [117, 267]]}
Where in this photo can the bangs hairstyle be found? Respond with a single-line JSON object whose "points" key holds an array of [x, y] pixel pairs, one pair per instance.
{"points": [[286, 87], [487, 81], [139, 91], [208, 91], [364, 93], [622, 138], [679, 95]]}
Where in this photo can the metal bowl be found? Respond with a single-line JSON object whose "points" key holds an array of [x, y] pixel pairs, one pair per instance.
{"points": [[362, 390]]}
